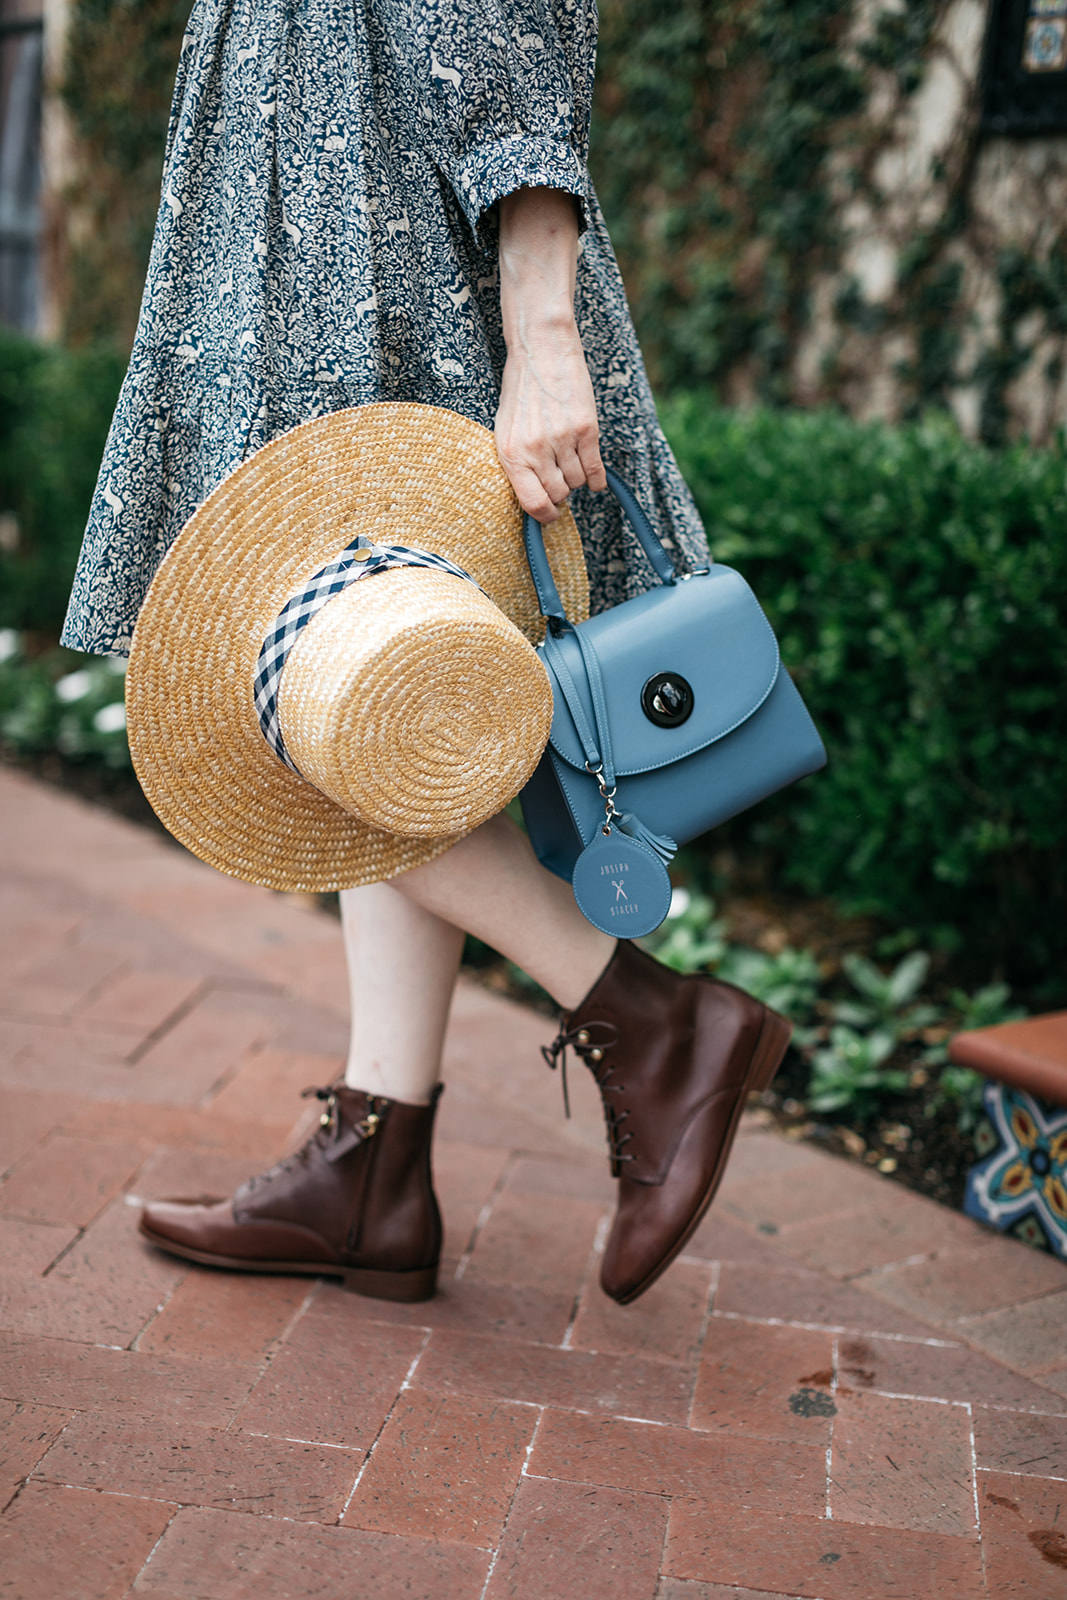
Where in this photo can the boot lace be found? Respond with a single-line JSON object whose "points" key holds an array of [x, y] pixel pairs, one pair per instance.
{"points": [[591, 1043], [331, 1136]]}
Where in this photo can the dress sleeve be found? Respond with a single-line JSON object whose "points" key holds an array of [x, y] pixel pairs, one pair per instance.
{"points": [[500, 92]]}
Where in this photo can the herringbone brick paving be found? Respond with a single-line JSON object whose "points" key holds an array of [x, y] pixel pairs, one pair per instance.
{"points": [[840, 1391]]}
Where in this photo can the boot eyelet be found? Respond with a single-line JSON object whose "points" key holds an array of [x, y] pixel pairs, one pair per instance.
{"points": [[583, 1037], [596, 1055]]}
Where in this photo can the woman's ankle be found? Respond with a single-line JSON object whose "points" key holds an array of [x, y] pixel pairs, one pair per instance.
{"points": [[408, 1088], [572, 979]]}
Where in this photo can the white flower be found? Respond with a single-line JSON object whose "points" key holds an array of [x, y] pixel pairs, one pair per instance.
{"points": [[110, 719], [680, 899], [75, 686], [9, 644]]}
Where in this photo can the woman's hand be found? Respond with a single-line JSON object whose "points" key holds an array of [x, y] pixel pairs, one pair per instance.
{"points": [[547, 435]]}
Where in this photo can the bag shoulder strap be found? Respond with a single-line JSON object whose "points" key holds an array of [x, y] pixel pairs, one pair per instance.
{"points": [[545, 584], [596, 745]]}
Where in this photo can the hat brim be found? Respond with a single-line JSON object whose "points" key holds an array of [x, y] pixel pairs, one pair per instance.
{"points": [[393, 472]]}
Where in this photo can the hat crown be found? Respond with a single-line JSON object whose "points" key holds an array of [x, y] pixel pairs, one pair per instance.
{"points": [[413, 703]]}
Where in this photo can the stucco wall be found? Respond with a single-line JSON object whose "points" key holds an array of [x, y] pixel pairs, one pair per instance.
{"points": [[951, 281]]}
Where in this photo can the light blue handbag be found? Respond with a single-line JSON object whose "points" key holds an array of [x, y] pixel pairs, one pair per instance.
{"points": [[672, 713]]}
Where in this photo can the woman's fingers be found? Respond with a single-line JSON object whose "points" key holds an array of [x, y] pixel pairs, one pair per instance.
{"points": [[540, 480], [542, 488], [542, 485], [570, 466], [590, 462], [547, 433], [532, 494]]}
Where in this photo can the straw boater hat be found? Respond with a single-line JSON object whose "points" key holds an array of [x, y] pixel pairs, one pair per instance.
{"points": [[307, 731]]}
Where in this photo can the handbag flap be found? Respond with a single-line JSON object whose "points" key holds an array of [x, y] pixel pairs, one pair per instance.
{"points": [[708, 630]]}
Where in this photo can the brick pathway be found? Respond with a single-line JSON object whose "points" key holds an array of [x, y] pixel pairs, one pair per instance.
{"points": [[841, 1390]]}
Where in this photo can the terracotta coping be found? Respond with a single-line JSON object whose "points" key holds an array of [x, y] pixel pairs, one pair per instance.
{"points": [[1030, 1055]]}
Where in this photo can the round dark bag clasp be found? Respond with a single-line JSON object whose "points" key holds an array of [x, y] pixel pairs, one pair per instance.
{"points": [[667, 699]]}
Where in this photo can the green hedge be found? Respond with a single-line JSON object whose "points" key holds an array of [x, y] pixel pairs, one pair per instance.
{"points": [[918, 584], [55, 409]]}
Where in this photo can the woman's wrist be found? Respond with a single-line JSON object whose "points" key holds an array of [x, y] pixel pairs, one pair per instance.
{"points": [[538, 319]]}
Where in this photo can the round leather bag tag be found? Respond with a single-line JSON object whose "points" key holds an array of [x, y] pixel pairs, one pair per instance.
{"points": [[621, 886]]}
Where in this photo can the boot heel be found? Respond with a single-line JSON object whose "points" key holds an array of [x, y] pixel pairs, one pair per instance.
{"points": [[402, 1287], [771, 1047]]}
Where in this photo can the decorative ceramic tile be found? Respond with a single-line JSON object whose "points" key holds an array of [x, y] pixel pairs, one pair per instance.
{"points": [[1048, 8], [1045, 45], [1019, 1184]]}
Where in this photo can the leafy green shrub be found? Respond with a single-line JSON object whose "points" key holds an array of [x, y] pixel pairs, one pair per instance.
{"points": [[55, 409], [918, 585], [961, 1086], [854, 1068], [861, 1049], [788, 981], [860, 1064], [65, 702], [695, 939], [885, 999], [692, 939], [850, 1072]]}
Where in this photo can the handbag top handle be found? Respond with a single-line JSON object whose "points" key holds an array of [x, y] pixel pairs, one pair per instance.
{"points": [[545, 584]]}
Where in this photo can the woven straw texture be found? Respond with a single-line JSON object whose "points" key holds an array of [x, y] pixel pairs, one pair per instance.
{"points": [[436, 707], [395, 473]]}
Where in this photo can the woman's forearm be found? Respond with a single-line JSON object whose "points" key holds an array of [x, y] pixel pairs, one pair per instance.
{"points": [[538, 261], [547, 433]]}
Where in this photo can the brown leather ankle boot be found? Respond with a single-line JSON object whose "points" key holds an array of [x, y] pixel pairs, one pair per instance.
{"points": [[356, 1202], [675, 1058]]}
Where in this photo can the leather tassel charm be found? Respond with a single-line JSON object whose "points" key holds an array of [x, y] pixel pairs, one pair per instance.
{"points": [[634, 828]]}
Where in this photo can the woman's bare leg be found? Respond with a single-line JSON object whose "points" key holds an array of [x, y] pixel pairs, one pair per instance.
{"points": [[492, 885], [402, 966], [403, 941]]}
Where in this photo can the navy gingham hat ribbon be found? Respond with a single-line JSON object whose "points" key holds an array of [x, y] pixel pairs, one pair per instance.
{"points": [[345, 569]]}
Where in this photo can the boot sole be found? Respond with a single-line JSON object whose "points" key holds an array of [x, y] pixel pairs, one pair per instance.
{"points": [[771, 1046], [403, 1287]]}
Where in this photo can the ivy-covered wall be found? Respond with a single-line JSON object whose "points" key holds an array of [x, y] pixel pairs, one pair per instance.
{"points": [[805, 211], [116, 90], [800, 199]]}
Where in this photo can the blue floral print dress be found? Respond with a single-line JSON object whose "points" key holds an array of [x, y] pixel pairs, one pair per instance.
{"points": [[327, 237]]}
